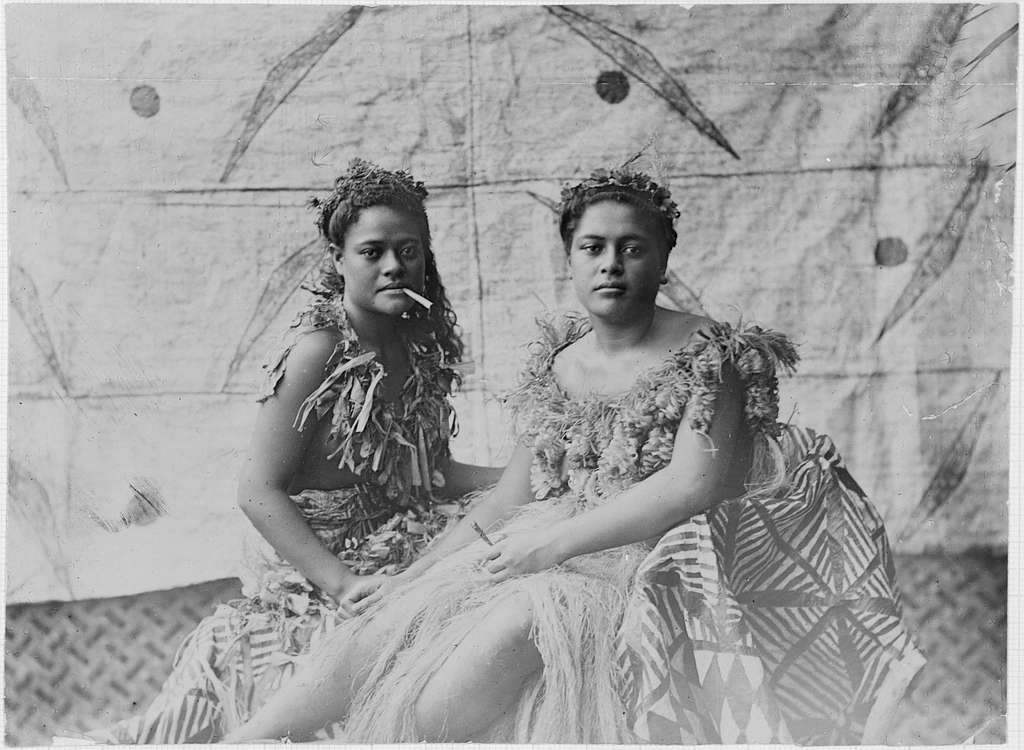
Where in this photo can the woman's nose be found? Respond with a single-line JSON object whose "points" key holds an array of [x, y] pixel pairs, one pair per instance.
{"points": [[611, 261], [392, 263]]}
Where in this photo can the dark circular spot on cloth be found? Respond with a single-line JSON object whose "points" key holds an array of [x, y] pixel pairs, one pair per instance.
{"points": [[145, 101], [612, 86], [890, 251]]}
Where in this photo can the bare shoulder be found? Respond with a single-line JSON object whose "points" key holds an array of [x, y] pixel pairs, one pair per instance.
{"points": [[311, 352], [677, 329]]}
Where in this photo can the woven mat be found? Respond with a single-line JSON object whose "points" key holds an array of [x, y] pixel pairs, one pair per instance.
{"points": [[956, 607], [81, 665], [78, 665]]}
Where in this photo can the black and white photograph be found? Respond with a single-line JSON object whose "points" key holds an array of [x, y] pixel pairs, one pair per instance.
{"points": [[521, 374]]}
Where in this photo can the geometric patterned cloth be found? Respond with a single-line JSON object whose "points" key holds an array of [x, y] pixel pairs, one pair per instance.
{"points": [[772, 620], [72, 665], [229, 664]]}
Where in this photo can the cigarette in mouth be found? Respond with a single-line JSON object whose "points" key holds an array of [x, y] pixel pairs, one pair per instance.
{"points": [[417, 297], [478, 530]]}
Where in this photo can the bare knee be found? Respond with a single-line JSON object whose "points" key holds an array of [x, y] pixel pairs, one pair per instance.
{"points": [[483, 676], [502, 639], [432, 718]]}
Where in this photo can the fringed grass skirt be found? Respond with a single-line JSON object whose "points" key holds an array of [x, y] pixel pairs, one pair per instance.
{"points": [[576, 611]]}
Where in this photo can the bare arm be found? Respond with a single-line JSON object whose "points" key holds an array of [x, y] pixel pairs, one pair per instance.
{"points": [[695, 479], [513, 489], [276, 453], [461, 478]]}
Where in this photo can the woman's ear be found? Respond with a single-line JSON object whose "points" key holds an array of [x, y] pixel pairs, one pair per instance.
{"points": [[336, 255]]}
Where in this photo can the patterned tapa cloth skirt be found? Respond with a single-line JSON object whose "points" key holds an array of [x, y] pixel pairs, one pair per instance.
{"points": [[760, 621], [238, 656], [771, 621]]}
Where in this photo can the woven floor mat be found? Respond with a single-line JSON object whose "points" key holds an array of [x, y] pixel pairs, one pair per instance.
{"points": [[956, 607], [73, 666], [80, 665]]}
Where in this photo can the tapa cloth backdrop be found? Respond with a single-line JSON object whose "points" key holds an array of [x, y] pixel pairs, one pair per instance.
{"points": [[160, 157]]}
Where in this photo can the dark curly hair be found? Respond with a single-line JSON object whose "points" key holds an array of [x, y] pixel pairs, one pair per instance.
{"points": [[365, 185], [620, 185]]}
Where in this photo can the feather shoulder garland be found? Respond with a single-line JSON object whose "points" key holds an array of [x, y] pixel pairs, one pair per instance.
{"points": [[608, 443]]}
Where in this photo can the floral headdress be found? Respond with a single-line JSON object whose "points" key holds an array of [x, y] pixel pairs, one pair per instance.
{"points": [[366, 184], [602, 180], [622, 184]]}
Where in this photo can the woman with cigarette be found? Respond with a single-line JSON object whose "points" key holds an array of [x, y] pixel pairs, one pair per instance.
{"points": [[347, 462], [662, 561]]}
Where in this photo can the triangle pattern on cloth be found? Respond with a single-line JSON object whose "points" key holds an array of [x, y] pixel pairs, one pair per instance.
{"points": [[797, 617]]}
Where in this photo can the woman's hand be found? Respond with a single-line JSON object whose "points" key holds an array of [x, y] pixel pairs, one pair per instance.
{"points": [[522, 553], [386, 585], [351, 600]]}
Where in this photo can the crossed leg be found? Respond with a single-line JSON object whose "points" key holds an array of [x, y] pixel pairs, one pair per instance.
{"points": [[474, 687], [481, 680]]}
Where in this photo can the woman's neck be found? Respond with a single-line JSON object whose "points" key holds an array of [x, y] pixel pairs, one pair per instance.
{"points": [[376, 332], [617, 336]]}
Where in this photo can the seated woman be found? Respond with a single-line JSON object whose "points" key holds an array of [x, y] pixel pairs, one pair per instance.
{"points": [[661, 561], [349, 454]]}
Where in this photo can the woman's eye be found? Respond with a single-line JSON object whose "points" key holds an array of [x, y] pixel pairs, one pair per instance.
{"points": [[632, 250], [410, 251], [370, 252], [590, 248]]}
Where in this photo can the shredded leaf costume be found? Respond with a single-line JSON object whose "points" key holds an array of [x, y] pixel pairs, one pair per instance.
{"points": [[240, 654], [397, 443], [765, 619]]}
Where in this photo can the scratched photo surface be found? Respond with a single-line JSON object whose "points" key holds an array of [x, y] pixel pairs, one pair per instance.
{"points": [[845, 174]]}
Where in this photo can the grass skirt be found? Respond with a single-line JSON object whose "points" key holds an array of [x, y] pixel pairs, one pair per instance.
{"points": [[764, 620], [576, 611]]}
